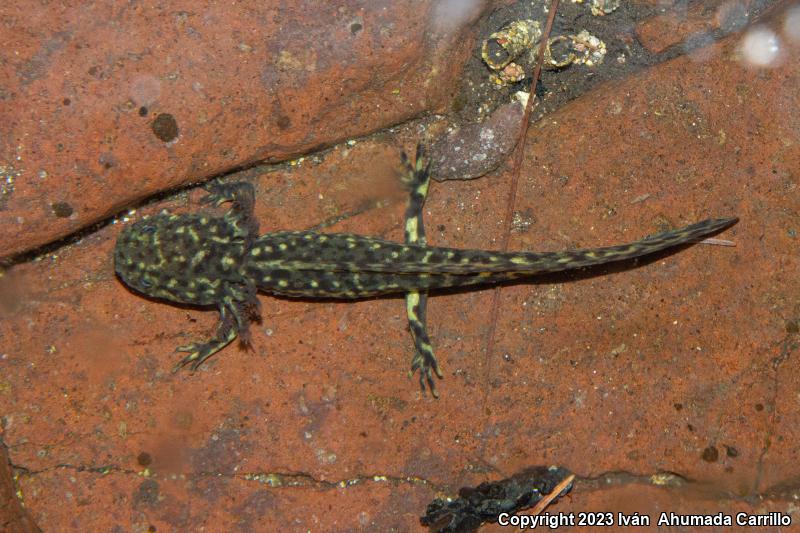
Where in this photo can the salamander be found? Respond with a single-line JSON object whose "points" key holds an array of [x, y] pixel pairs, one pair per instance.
{"points": [[222, 261]]}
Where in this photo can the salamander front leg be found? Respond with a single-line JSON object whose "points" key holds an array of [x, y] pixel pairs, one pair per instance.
{"points": [[238, 308], [242, 198], [416, 178], [200, 351]]}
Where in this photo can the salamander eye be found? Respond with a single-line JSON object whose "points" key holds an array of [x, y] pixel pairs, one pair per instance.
{"points": [[149, 229], [145, 283]]}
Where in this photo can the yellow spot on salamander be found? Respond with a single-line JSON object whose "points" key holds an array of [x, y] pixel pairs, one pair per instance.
{"points": [[282, 246], [198, 257], [283, 283], [412, 300], [314, 284], [519, 260], [255, 252], [228, 261], [376, 246]]}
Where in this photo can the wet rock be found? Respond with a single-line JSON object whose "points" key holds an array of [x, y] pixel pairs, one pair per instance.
{"points": [[476, 149]]}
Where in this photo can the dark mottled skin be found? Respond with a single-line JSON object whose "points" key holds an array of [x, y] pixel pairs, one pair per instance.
{"points": [[222, 261]]}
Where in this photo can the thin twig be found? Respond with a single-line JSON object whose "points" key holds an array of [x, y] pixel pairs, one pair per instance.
{"points": [[545, 501], [515, 170], [717, 242], [526, 118]]}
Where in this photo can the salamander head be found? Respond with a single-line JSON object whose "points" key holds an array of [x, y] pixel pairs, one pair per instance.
{"points": [[177, 257]]}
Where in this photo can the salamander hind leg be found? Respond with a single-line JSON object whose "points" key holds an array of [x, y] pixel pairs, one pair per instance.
{"points": [[416, 177], [424, 359]]}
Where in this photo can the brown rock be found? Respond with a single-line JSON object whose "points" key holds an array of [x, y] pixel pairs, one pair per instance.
{"points": [[696, 24], [472, 150], [13, 516], [318, 426], [107, 104]]}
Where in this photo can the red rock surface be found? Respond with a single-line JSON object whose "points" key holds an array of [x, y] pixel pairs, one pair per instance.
{"points": [[107, 103], [687, 364], [696, 21], [13, 516]]}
